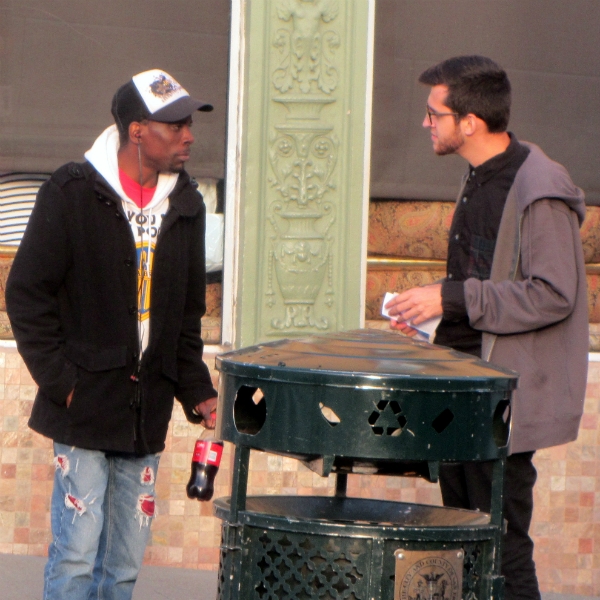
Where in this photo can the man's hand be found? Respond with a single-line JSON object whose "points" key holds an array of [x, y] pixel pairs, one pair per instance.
{"points": [[415, 305], [208, 411], [402, 327]]}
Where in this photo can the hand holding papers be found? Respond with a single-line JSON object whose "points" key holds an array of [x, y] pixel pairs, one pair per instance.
{"points": [[424, 330]]}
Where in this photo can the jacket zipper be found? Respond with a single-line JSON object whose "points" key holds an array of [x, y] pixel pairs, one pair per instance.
{"points": [[136, 402]]}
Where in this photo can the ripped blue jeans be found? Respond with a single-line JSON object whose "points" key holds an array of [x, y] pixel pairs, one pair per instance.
{"points": [[102, 507]]}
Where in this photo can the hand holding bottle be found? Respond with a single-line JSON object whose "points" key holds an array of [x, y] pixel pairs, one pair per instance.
{"points": [[205, 464]]}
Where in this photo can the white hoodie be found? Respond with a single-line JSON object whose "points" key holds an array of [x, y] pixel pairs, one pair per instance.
{"points": [[145, 223]]}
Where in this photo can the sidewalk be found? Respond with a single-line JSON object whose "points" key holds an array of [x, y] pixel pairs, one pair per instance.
{"points": [[21, 578]]}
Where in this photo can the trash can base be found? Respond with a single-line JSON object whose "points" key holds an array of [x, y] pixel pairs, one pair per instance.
{"points": [[328, 547]]}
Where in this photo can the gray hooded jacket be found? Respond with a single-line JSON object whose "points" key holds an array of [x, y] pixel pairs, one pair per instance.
{"points": [[533, 310]]}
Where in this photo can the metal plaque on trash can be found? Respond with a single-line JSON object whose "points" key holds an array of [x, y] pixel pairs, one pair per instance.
{"points": [[428, 575]]}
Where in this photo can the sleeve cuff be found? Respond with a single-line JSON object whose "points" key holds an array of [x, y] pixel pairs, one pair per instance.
{"points": [[189, 403]]}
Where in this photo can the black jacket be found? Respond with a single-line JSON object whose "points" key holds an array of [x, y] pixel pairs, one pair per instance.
{"points": [[72, 301]]}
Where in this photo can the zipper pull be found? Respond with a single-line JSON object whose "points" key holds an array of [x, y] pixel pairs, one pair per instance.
{"points": [[135, 377]]}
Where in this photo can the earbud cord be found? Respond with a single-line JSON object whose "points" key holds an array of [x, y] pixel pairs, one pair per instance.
{"points": [[143, 260], [142, 270]]}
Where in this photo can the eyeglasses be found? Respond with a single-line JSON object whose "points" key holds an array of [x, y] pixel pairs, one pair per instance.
{"points": [[432, 113]]}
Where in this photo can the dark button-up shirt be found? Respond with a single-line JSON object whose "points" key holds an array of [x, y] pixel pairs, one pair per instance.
{"points": [[472, 242]]}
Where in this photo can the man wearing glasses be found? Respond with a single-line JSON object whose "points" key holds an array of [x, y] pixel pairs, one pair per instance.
{"points": [[514, 292]]}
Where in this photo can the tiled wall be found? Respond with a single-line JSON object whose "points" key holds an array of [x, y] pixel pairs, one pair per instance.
{"points": [[566, 523]]}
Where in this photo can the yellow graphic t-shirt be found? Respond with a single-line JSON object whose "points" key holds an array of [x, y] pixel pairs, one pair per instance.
{"points": [[145, 226], [144, 212]]}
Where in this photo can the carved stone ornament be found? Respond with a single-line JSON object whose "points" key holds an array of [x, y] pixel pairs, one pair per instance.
{"points": [[303, 154], [306, 52]]}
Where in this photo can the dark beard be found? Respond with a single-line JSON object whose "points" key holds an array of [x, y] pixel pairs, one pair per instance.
{"points": [[450, 146]]}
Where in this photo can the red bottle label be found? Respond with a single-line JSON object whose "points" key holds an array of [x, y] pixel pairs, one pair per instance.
{"points": [[208, 452]]}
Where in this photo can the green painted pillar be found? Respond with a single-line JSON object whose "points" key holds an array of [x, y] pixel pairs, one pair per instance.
{"points": [[297, 168]]}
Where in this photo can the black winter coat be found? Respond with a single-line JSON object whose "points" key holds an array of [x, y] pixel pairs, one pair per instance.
{"points": [[72, 301]]}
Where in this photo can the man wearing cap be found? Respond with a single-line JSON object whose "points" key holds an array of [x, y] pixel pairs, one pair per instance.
{"points": [[105, 298]]}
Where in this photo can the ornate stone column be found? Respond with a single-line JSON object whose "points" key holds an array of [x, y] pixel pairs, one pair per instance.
{"points": [[298, 167]]}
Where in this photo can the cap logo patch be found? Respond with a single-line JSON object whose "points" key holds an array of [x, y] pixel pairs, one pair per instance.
{"points": [[158, 89], [163, 87]]}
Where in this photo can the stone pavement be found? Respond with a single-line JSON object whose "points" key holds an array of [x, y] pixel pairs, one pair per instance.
{"points": [[21, 578]]}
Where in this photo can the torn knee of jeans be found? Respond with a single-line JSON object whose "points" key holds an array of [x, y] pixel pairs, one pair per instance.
{"points": [[147, 476], [61, 462], [146, 509], [75, 504]]}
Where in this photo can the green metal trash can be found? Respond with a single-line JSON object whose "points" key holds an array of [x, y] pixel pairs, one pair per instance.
{"points": [[363, 402]]}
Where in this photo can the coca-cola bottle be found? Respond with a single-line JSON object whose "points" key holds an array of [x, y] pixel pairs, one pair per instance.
{"points": [[205, 464]]}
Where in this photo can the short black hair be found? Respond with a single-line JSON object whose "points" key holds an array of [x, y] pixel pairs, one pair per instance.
{"points": [[476, 85]]}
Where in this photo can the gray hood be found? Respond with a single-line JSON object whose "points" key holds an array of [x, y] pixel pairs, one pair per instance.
{"points": [[547, 179]]}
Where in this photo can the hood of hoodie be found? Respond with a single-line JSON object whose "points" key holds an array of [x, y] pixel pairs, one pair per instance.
{"points": [[103, 156], [541, 177]]}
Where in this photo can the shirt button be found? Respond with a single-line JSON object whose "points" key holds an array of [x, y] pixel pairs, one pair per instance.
{"points": [[128, 262], [132, 310], [449, 275], [464, 200], [457, 236]]}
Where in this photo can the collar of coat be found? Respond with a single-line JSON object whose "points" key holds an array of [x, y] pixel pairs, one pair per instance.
{"points": [[184, 199]]}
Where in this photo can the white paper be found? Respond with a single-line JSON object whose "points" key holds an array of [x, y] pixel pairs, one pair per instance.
{"points": [[425, 329]]}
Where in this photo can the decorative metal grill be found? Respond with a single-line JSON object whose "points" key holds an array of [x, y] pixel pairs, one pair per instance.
{"points": [[473, 570], [298, 566], [223, 568]]}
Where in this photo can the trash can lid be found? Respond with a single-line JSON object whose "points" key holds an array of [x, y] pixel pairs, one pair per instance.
{"points": [[365, 357]]}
